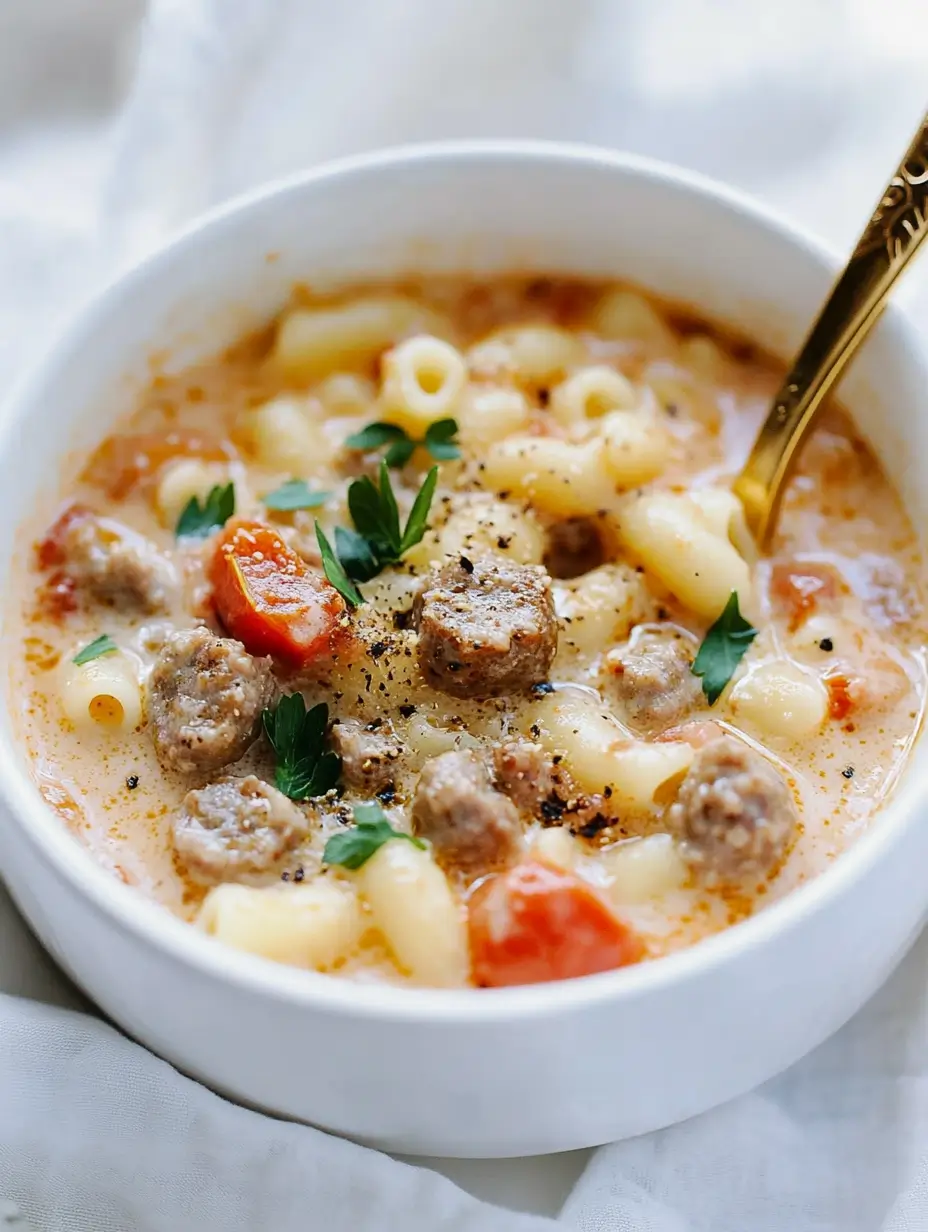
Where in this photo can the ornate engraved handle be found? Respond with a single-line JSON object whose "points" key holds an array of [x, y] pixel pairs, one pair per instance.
{"points": [[888, 243]]}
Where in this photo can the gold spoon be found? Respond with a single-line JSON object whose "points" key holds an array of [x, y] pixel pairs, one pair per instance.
{"points": [[889, 242]]}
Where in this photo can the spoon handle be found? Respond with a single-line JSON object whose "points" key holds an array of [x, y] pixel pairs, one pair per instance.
{"points": [[888, 243]]}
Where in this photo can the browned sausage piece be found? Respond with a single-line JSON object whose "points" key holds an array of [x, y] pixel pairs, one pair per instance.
{"points": [[368, 751], [735, 813], [472, 827], [652, 679], [486, 627], [206, 697], [236, 828], [525, 773], [114, 564]]}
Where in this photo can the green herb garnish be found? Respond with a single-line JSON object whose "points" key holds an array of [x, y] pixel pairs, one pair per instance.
{"points": [[722, 649], [377, 540], [102, 645], [376, 516], [335, 572], [438, 440], [354, 847], [304, 766], [355, 554], [197, 521], [294, 494]]}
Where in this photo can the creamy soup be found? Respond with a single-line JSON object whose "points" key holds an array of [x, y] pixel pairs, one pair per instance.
{"points": [[418, 638]]}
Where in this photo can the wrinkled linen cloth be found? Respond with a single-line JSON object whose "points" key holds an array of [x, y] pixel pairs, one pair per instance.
{"points": [[118, 121]]}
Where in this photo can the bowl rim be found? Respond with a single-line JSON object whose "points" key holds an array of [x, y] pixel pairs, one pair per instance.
{"points": [[154, 926]]}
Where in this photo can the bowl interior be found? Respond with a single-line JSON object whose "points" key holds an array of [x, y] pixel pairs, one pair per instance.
{"points": [[464, 208]]}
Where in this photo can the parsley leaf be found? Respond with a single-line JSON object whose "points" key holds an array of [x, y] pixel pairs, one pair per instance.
{"points": [[374, 435], [297, 735], [355, 554], [438, 440], [294, 494], [399, 453], [375, 515], [197, 521], [335, 572], [722, 649], [354, 847], [417, 522], [102, 645]]}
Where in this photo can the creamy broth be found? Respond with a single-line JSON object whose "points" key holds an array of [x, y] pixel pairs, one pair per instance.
{"points": [[595, 428]]}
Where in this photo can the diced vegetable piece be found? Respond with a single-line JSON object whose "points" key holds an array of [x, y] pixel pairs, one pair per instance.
{"points": [[125, 462], [537, 923], [268, 597]]}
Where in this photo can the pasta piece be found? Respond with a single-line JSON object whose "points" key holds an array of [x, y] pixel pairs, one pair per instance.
{"points": [[600, 755], [103, 694], [487, 414], [599, 608], [674, 389], [283, 437], [643, 868], [346, 393], [311, 342], [555, 845], [591, 393], [636, 447], [413, 905], [624, 314], [534, 354], [423, 380], [428, 737], [701, 355], [724, 514], [487, 525], [184, 480], [780, 699], [558, 477], [675, 541], [317, 924]]}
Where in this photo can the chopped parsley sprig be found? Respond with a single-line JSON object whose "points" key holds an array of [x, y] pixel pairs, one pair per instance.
{"points": [[378, 540], [305, 767], [294, 494], [102, 645], [722, 649], [197, 521], [354, 847], [439, 440]]}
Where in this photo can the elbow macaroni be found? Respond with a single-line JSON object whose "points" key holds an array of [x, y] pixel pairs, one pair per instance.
{"points": [[311, 342], [283, 437], [782, 700], [317, 925], [423, 380], [412, 905], [602, 757], [589, 394], [103, 694], [675, 541], [558, 477]]}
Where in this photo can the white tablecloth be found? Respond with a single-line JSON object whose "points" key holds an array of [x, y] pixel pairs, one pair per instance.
{"points": [[112, 132]]}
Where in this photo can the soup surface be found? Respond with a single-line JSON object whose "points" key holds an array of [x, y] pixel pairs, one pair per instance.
{"points": [[418, 638]]}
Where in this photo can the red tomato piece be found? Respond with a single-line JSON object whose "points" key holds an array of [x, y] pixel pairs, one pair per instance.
{"points": [[268, 597], [799, 588], [840, 702], [537, 923]]}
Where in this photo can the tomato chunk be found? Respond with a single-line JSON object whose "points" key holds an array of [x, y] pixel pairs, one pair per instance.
{"points": [[800, 588], [268, 597], [123, 463], [537, 923]]}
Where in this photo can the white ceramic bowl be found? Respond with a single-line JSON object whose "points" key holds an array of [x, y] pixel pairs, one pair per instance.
{"points": [[497, 1072]]}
